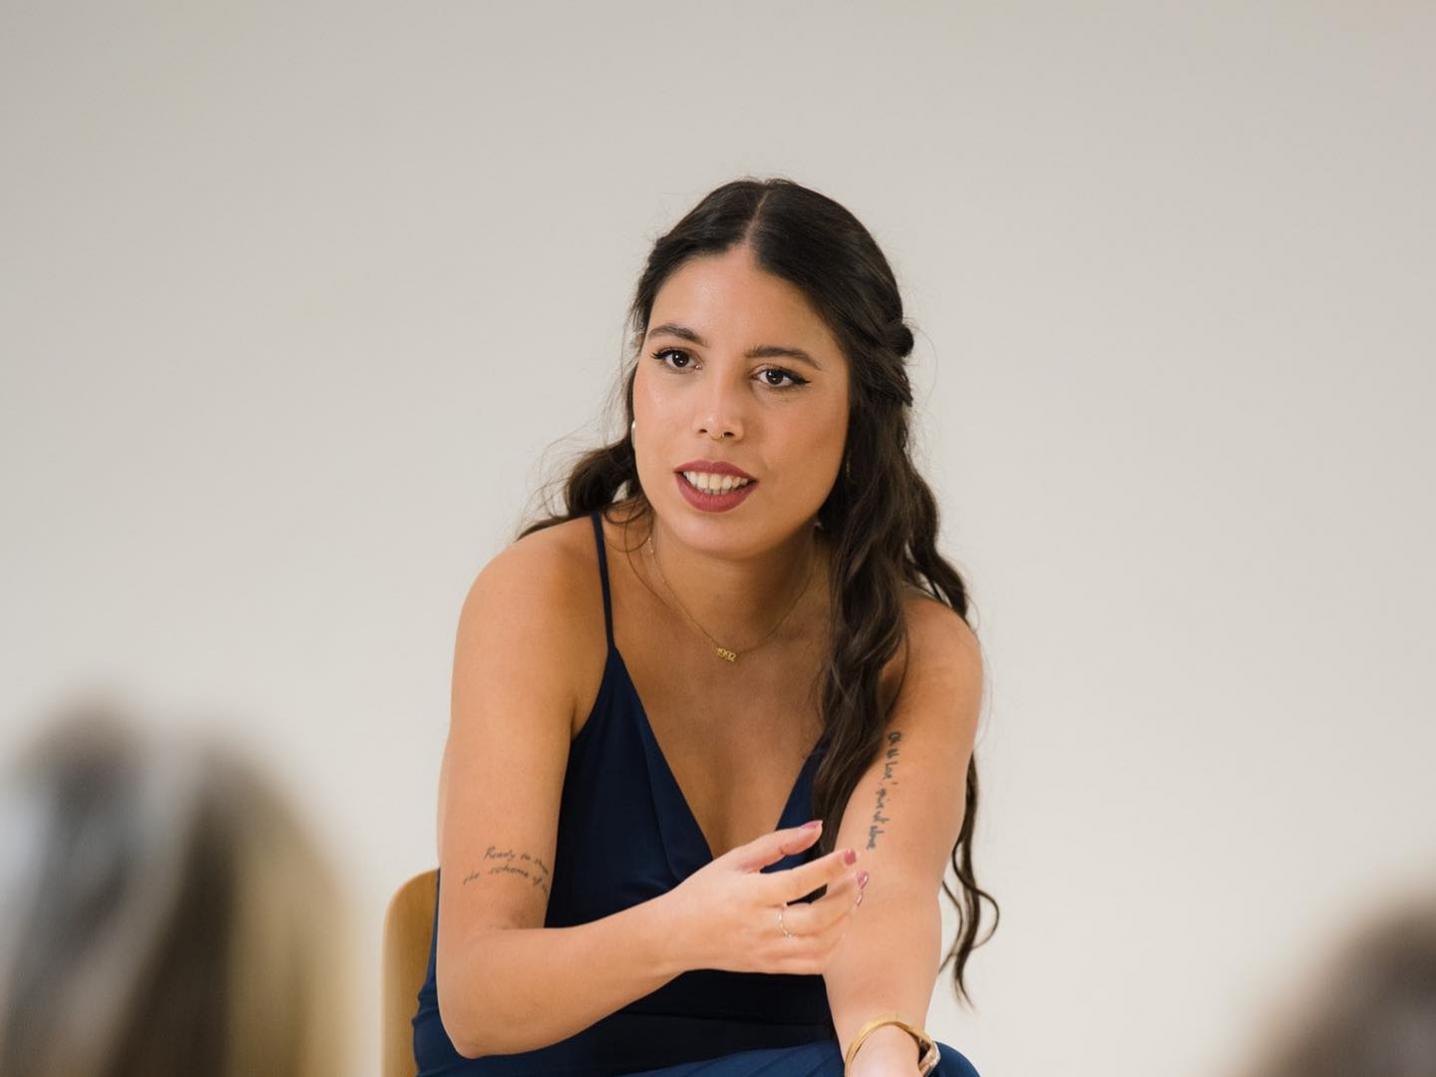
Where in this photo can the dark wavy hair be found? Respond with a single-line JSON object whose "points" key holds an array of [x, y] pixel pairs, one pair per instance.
{"points": [[881, 515]]}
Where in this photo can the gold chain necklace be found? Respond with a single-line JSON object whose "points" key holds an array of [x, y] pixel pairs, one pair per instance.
{"points": [[726, 653]]}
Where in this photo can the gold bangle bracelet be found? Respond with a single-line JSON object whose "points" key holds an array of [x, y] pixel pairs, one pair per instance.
{"points": [[928, 1056]]}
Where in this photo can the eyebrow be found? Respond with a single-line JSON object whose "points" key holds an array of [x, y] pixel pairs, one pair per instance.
{"points": [[762, 351]]}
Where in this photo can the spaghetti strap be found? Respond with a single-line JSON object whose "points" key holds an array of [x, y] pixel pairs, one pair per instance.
{"points": [[596, 517]]}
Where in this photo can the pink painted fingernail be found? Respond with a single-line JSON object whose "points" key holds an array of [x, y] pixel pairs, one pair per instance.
{"points": [[849, 856], [811, 825], [862, 879]]}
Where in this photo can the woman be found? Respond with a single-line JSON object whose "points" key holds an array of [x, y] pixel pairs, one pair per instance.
{"points": [[165, 914], [740, 618]]}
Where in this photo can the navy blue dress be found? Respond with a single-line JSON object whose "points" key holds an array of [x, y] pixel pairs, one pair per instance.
{"points": [[626, 834]]}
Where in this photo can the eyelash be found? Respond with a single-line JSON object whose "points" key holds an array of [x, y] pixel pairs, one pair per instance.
{"points": [[798, 380]]}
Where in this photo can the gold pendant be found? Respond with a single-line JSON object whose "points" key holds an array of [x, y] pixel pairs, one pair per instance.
{"points": [[723, 652]]}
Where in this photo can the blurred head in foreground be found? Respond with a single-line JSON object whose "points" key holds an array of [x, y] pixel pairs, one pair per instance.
{"points": [[162, 911], [1371, 1012]]}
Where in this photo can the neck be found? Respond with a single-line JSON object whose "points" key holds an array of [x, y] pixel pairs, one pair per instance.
{"points": [[737, 596]]}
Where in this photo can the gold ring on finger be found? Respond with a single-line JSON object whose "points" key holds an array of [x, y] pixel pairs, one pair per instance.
{"points": [[786, 932]]}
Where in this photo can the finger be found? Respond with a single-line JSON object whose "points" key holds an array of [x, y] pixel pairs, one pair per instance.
{"points": [[811, 949], [809, 918], [805, 878], [770, 848]]}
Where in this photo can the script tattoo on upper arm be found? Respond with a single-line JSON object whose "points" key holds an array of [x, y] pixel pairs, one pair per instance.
{"points": [[890, 756], [507, 862]]}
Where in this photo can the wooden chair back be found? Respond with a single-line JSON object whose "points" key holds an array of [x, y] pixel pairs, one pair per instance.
{"points": [[408, 934]]}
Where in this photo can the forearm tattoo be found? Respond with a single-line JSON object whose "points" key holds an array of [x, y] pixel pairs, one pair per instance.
{"points": [[507, 862], [890, 756]]}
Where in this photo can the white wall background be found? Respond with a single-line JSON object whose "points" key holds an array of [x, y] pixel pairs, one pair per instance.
{"points": [[299, 304]]}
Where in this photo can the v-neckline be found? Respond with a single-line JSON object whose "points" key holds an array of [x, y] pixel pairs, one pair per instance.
{"points": [[671, 779]]}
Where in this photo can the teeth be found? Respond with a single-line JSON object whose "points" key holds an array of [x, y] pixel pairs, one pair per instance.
{"points": [[714, 484]]}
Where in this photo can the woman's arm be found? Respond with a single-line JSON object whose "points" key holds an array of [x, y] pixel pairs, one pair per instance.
{"points": [[531, 987], [903, 817], [505, 982]]}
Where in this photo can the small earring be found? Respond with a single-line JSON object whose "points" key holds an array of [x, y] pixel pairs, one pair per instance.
{"points": [[631, 428]]}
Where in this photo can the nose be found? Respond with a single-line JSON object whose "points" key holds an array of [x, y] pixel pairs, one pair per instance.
{"points": [[719, 414]]}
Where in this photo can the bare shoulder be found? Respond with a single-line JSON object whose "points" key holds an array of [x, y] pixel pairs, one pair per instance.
{"points": [[543, 590], [936, 625], [548, 569], [938, 637]]}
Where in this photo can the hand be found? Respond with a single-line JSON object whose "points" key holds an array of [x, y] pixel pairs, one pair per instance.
{"points": [[727, 910]]}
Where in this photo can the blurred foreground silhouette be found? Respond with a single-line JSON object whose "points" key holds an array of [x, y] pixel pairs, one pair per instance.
{"points": [[163, 911], [1371, 1010]]}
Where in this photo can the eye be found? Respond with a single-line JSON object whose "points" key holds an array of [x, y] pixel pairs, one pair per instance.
{"points": [[794, 380], [658, 355]]}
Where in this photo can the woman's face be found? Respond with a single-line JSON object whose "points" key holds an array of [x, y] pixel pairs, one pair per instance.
{"points": [[719, 356]]}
